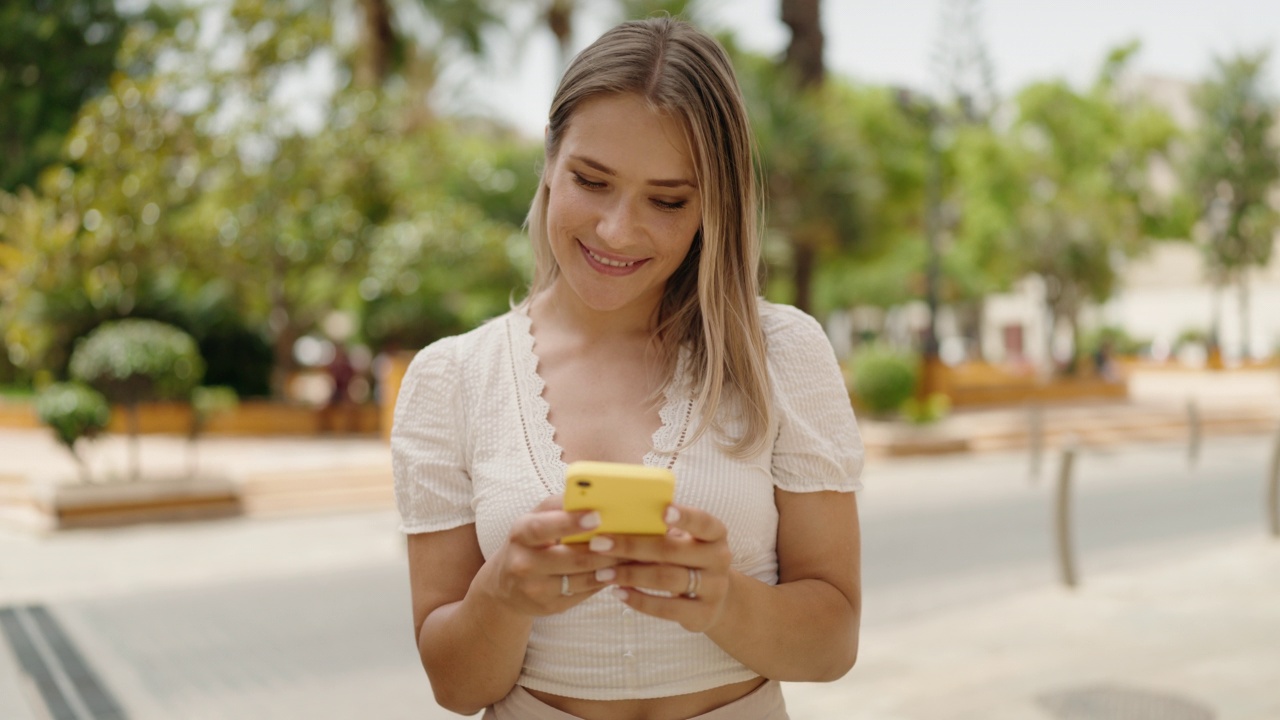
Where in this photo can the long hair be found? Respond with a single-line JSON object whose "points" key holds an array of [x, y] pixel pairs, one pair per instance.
{"points": [[709, 304]]}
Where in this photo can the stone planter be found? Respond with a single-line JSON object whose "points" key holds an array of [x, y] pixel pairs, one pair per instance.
{"points": [[896, 438], [58, 506]]}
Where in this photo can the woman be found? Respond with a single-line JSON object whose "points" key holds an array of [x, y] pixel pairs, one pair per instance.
{"points": [[642, 340]]}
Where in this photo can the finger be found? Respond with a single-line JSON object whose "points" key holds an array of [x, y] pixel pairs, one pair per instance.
{"points": [[674, 579], [554, 502], [569, 559], [685, 611], [545, 527], [585, 583], [667, 549], [698, 523]]}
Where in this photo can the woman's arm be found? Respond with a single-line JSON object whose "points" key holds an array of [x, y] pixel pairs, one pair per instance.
{"points": [[803, 629], [471, 649], [472, 618], [806, 627]]}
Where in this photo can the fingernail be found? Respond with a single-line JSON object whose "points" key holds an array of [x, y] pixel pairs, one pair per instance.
{"points": [[605, 574], [600, 543], [673, 515], [590, 521], [620, 594]]}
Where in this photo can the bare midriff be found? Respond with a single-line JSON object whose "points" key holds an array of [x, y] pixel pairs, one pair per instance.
{"points": [[676, 707]]}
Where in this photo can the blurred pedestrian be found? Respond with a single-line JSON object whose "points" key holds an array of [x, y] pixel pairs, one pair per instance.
{"points": [[340, 405]]}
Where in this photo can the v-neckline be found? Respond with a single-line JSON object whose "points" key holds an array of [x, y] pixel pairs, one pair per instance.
{"points": [[540, 433]]}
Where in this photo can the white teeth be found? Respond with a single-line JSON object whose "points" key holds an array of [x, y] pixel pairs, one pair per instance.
{"points": [[611, 263]]}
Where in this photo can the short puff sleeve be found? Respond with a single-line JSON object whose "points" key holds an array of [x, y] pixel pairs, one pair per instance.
{"points": [[818, 446], [428, 446]]}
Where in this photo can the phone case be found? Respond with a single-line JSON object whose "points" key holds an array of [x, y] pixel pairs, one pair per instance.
{"points": [[631, 499]]}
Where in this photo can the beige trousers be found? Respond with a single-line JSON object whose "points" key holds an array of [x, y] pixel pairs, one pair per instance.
{"points": [[763, 703]]}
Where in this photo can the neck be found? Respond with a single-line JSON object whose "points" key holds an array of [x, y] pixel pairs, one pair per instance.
{"points": [[561, 307]]}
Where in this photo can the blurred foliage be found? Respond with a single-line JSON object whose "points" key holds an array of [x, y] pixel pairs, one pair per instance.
{"points": [[196, 185], [1116, 339], [73, 411], [132, 361], [208, 402], [1236, 163], [1085, 160], [54, 54], [1191, 336], [441, 272], [926, 411], [840, 180], [882, 378], [186, 198], [1233, 170]]}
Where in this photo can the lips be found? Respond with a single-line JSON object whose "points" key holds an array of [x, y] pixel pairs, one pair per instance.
{"points": [[610, 265]]}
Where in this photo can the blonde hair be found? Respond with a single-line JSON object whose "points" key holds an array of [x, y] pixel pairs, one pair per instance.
{"points": [[709, 305]]}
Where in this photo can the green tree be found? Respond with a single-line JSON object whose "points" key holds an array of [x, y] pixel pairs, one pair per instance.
{"points": [[1085, 159], [74, 412], [96, 240], [54, 55], [136, 361], [1233, 170]]}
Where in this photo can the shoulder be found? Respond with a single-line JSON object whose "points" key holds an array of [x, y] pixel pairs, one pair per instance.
{"points": [[785, 326], [462, 351]]}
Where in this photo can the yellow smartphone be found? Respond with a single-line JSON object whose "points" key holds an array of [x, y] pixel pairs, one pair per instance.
{"points": [[631, 499]]}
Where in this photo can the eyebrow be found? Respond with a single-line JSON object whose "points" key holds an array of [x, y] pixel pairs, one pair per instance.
{"points": [[679, 182]]}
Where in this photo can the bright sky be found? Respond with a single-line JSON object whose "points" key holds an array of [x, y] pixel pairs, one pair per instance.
{"points": [[890, 41]]}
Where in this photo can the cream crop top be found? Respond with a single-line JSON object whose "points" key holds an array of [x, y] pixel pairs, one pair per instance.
{"points": [[471, 444]]}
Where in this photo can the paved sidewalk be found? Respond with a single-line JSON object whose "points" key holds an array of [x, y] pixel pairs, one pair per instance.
{"points": [[1198, 639]]}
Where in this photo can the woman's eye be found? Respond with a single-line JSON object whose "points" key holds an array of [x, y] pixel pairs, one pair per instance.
{"points": [[588, 184], [665, 205]]}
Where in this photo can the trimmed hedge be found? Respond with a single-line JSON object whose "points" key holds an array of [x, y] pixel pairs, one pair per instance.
{"points": [[131, 361], [883, 378], [73, 411]]}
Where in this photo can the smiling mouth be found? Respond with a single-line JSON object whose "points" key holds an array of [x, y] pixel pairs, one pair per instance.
{"points": [[608, 262]]}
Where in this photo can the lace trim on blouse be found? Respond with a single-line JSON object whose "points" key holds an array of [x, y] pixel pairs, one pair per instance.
{"points": [[535, 412]]}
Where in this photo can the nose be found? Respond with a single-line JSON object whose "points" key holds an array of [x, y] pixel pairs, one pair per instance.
{"points": [[617, 223]]}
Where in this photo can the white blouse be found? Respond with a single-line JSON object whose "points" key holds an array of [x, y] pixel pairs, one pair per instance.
{"points": [[471, 443]]}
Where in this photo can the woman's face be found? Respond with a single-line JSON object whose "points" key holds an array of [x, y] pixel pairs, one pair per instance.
{"points": [[624, 205]]}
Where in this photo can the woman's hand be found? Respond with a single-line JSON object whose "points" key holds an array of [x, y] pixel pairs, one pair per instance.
{"points": [[533, 574], [691, 562]]}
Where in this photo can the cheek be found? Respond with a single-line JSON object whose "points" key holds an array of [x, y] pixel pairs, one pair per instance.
{"points": [[681, 228], [566, 208]]}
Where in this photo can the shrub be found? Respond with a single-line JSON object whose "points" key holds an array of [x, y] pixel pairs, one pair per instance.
{"points": [[209, 401], [883, 378], [931, 409], [1117, 339], [1191, 336], [73, 411], [132, 361]]}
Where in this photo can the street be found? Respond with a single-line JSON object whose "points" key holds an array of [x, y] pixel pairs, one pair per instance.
{"points": [[308, 617]]}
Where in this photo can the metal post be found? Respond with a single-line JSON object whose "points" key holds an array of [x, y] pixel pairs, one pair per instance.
{"points": [[1193, 433], [1062, 517], [1273, 490], [1035, 439]]}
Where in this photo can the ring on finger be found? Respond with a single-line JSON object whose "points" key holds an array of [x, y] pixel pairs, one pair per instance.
{"points": [[564, 586], [695, 582]]}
